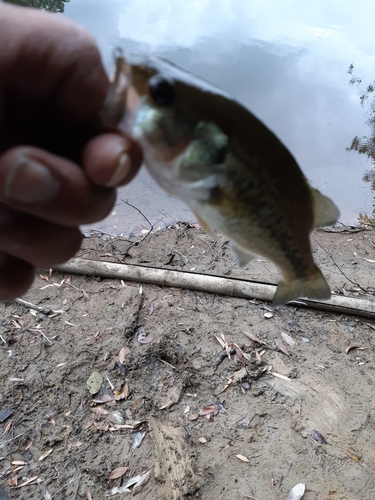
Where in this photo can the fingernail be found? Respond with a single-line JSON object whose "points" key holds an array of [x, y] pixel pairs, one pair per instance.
{"points": [[121, 172], [29, 181]]}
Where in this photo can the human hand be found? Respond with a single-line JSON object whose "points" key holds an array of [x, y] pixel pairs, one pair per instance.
{"points": [[56, 172]]}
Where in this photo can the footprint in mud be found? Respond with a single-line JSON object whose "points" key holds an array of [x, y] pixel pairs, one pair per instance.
{"points": [[342, 420]]}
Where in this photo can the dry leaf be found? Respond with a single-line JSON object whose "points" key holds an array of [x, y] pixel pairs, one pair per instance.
{"points": [[12, 481], [209, 410], [138, 438], [202, 440], [281, 346], [143, 480], [288, 339], [193, 416], [145, 340], [317, 436], [150, 309], [221, 341], [173, 398], [44, 277], [94, 382], [99, 410], [45, 455], [253, 337], [278, 375], [297, 492], [123, 394], [351, 347], [352, 456], [244, 459], [239, 375], [268, 315], [240, 356], [31, 480], [18, 468], [122, 354], [116, 473], [103, 398]]}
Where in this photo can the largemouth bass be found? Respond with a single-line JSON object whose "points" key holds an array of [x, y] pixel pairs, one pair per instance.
{"points": [[235, 175]]}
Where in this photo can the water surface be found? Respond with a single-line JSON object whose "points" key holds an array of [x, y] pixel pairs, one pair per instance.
{"points": [[303, 68]]}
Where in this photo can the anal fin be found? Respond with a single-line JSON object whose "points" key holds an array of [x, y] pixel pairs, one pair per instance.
{"points": [[242, 255], [204, 224]]}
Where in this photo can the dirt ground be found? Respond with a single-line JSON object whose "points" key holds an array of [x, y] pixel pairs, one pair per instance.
{"points": [[172, 408]]}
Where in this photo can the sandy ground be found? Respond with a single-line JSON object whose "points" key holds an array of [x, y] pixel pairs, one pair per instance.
{"points": [[170, 406]]}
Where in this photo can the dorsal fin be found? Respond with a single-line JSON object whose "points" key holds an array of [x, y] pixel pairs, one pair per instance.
{"points": [[325, 211]]}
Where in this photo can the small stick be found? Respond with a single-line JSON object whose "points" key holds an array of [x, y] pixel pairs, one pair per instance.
{"points": [[12, 439], [168, 364], [65, 485], [45, 336], [109, 234], [32, 306]]}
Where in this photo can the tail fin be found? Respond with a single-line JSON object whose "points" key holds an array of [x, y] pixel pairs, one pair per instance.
{"points": [[314, 287]]}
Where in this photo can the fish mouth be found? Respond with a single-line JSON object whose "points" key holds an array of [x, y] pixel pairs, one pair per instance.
{"points": [[115, 104]]}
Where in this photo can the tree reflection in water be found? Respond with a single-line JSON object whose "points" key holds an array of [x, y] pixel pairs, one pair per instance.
{"points": [[366, 145], [50, 5]]}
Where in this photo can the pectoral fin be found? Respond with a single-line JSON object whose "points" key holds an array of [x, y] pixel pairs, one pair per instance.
{"points": [[325, 211], [242, 255]]}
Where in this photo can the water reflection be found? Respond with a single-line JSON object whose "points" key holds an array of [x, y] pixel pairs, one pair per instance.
{"points": [[365, 145], [287, 61]]}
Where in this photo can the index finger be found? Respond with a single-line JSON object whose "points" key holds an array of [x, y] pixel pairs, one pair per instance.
{"points": [[50, 59]]}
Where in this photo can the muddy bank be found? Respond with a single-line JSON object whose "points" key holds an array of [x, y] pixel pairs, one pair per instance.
{"points": [[173, 408]]}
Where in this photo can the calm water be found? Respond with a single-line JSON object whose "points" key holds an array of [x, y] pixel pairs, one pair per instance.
{"points": [[285, 60]]}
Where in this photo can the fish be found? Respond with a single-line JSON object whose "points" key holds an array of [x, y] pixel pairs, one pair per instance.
{"points": [[207, 149]]}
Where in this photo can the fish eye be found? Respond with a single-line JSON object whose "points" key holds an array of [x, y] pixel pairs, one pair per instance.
{"points": [[161, 91]]}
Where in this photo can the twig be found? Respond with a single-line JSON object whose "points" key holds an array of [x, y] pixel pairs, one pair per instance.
{"points": [[218, 250], [109, 234], [32, 306], [143, 215], [146, 219], [45, 336], [12, 439], [65, 485], [168, 364], [181, 255], [2, 338], [224, 355], [338, 267]]}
